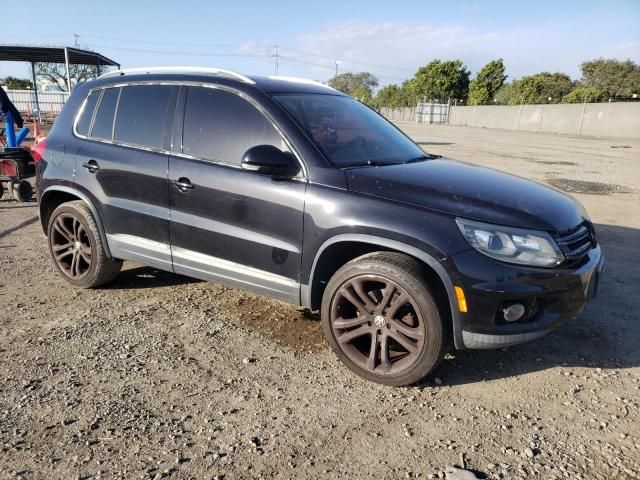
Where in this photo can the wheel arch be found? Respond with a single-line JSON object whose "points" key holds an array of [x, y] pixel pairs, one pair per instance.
{"points": [[340, 249], [55, 196]]}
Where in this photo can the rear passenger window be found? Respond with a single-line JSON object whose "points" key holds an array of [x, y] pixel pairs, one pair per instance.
{"points": [[144, 115], [82, 127], [103, 124], [222, 126]]}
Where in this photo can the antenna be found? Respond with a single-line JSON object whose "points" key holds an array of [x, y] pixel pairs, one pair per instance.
{"points": [[277, 57]]}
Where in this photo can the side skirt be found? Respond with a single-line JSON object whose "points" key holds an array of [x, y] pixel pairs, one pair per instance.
{"points": [[204, 267]]}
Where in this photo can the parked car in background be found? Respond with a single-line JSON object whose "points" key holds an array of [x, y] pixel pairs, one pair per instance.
{"points": [[290, 189]]}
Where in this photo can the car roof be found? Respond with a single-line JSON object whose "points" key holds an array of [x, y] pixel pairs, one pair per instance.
{"points": [[267, 84], [292, 84]]}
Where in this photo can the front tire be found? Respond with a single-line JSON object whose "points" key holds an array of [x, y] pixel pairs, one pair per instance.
{"points": [[76, 247], [382, 320]]}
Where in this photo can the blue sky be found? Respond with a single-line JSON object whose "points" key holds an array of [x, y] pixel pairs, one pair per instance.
{"points": [[389, 39]]}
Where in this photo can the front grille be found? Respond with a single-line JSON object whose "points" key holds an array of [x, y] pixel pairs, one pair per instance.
{"points": [[577, 242]]}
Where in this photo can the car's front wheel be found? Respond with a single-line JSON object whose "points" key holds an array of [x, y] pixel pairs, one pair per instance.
{"points": [[382, 320], [76, 247]]}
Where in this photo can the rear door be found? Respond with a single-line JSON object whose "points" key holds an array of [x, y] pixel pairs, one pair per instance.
{"points": [[123, 165], [228, 224]]}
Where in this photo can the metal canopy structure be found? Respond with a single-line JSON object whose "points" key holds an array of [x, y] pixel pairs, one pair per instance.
{"points": [[41, 54], [51, 54]]}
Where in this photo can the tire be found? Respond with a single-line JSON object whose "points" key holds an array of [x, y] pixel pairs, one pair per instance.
{"points": [[384, 294], [22, 191], [1, 190], [76, 248]]}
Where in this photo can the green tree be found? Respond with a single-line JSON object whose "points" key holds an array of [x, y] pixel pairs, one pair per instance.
{"points": [[488, 81], [583, 94], [390, 96], [13, 83], [56, 73], [504, 94], [363, 94], [542, 87], [440, 80], [348, 82], [615, 78]]}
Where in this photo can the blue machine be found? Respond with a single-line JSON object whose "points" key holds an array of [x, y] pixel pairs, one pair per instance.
{"points": [[16, 163], [14, 140]]}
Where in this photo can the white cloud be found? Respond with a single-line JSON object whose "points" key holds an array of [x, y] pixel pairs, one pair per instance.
{"points": [[394, 50]]}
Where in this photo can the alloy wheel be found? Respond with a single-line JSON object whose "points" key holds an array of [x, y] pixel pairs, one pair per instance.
{"points": [[71, 246], [377, 324]]}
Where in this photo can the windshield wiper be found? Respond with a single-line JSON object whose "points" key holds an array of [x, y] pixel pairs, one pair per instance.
{"points": [[371, 163], [421, 158]]}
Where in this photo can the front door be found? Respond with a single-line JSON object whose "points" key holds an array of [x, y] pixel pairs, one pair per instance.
{"points": [[227, 224]]}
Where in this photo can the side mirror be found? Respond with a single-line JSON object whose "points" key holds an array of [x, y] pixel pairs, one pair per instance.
{"points": [[270, 160]]}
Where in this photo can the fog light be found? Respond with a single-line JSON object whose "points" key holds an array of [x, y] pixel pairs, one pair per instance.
{"points": [[513, 312]]}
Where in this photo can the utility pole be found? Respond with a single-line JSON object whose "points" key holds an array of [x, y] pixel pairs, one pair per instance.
{"points": [[337, 63], [277, 58], [76, 37]]}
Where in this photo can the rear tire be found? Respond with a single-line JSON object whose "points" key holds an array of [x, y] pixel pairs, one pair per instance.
{"points": [[381, 319], [77, 249]]}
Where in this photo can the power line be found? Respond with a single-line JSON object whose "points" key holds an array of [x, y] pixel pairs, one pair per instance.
{"points": [[329, 67], [153, 42], [237, 46], [345, 60], [281, 47], [177, 52], [305, 62], [276, 55]]}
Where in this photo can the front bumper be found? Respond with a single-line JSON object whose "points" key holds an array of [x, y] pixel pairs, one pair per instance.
{"points": [[552, 296]]}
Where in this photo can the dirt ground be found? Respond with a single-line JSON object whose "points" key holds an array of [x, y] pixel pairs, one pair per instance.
{"points": [[161, 376]]}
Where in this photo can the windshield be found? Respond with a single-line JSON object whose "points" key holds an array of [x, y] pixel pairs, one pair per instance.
{"points": [[349, 133]]}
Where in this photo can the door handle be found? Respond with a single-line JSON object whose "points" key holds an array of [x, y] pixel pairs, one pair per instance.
{"points": [[92, 166], [183, 184]]}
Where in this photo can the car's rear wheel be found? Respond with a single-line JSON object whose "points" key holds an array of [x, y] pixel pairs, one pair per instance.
{"points": [[382, 320], [76, 247]]}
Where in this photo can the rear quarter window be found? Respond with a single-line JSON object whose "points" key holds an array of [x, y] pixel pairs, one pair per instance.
{"points": [[103, 123], [85, 115], [144, 115]]}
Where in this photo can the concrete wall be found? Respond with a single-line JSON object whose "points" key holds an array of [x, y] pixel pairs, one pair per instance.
{"points": [[407, 114], [597, 119]]}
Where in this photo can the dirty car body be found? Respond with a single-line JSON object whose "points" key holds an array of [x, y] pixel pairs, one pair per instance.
{"points": [[506, 259]]}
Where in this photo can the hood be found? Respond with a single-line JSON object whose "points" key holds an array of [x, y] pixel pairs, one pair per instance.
{"points": [[470, 191]]}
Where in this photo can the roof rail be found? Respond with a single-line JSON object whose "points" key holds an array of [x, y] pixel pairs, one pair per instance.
{"points": [[300, 80], [213, 70]]}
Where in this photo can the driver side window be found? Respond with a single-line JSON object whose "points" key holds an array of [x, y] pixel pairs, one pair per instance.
{"points": [[221, 126]]}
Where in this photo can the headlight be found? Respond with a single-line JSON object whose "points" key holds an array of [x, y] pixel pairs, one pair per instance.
{"points": [[513, 245]]}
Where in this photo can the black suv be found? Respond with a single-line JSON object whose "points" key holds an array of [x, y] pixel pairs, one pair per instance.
{"points": [[293, 190]]}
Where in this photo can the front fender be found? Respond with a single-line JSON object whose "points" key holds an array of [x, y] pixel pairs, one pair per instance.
{"points": [[386, 243]]}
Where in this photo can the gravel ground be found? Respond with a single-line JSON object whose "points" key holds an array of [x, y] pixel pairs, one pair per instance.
{"points": [[161, 376]]}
